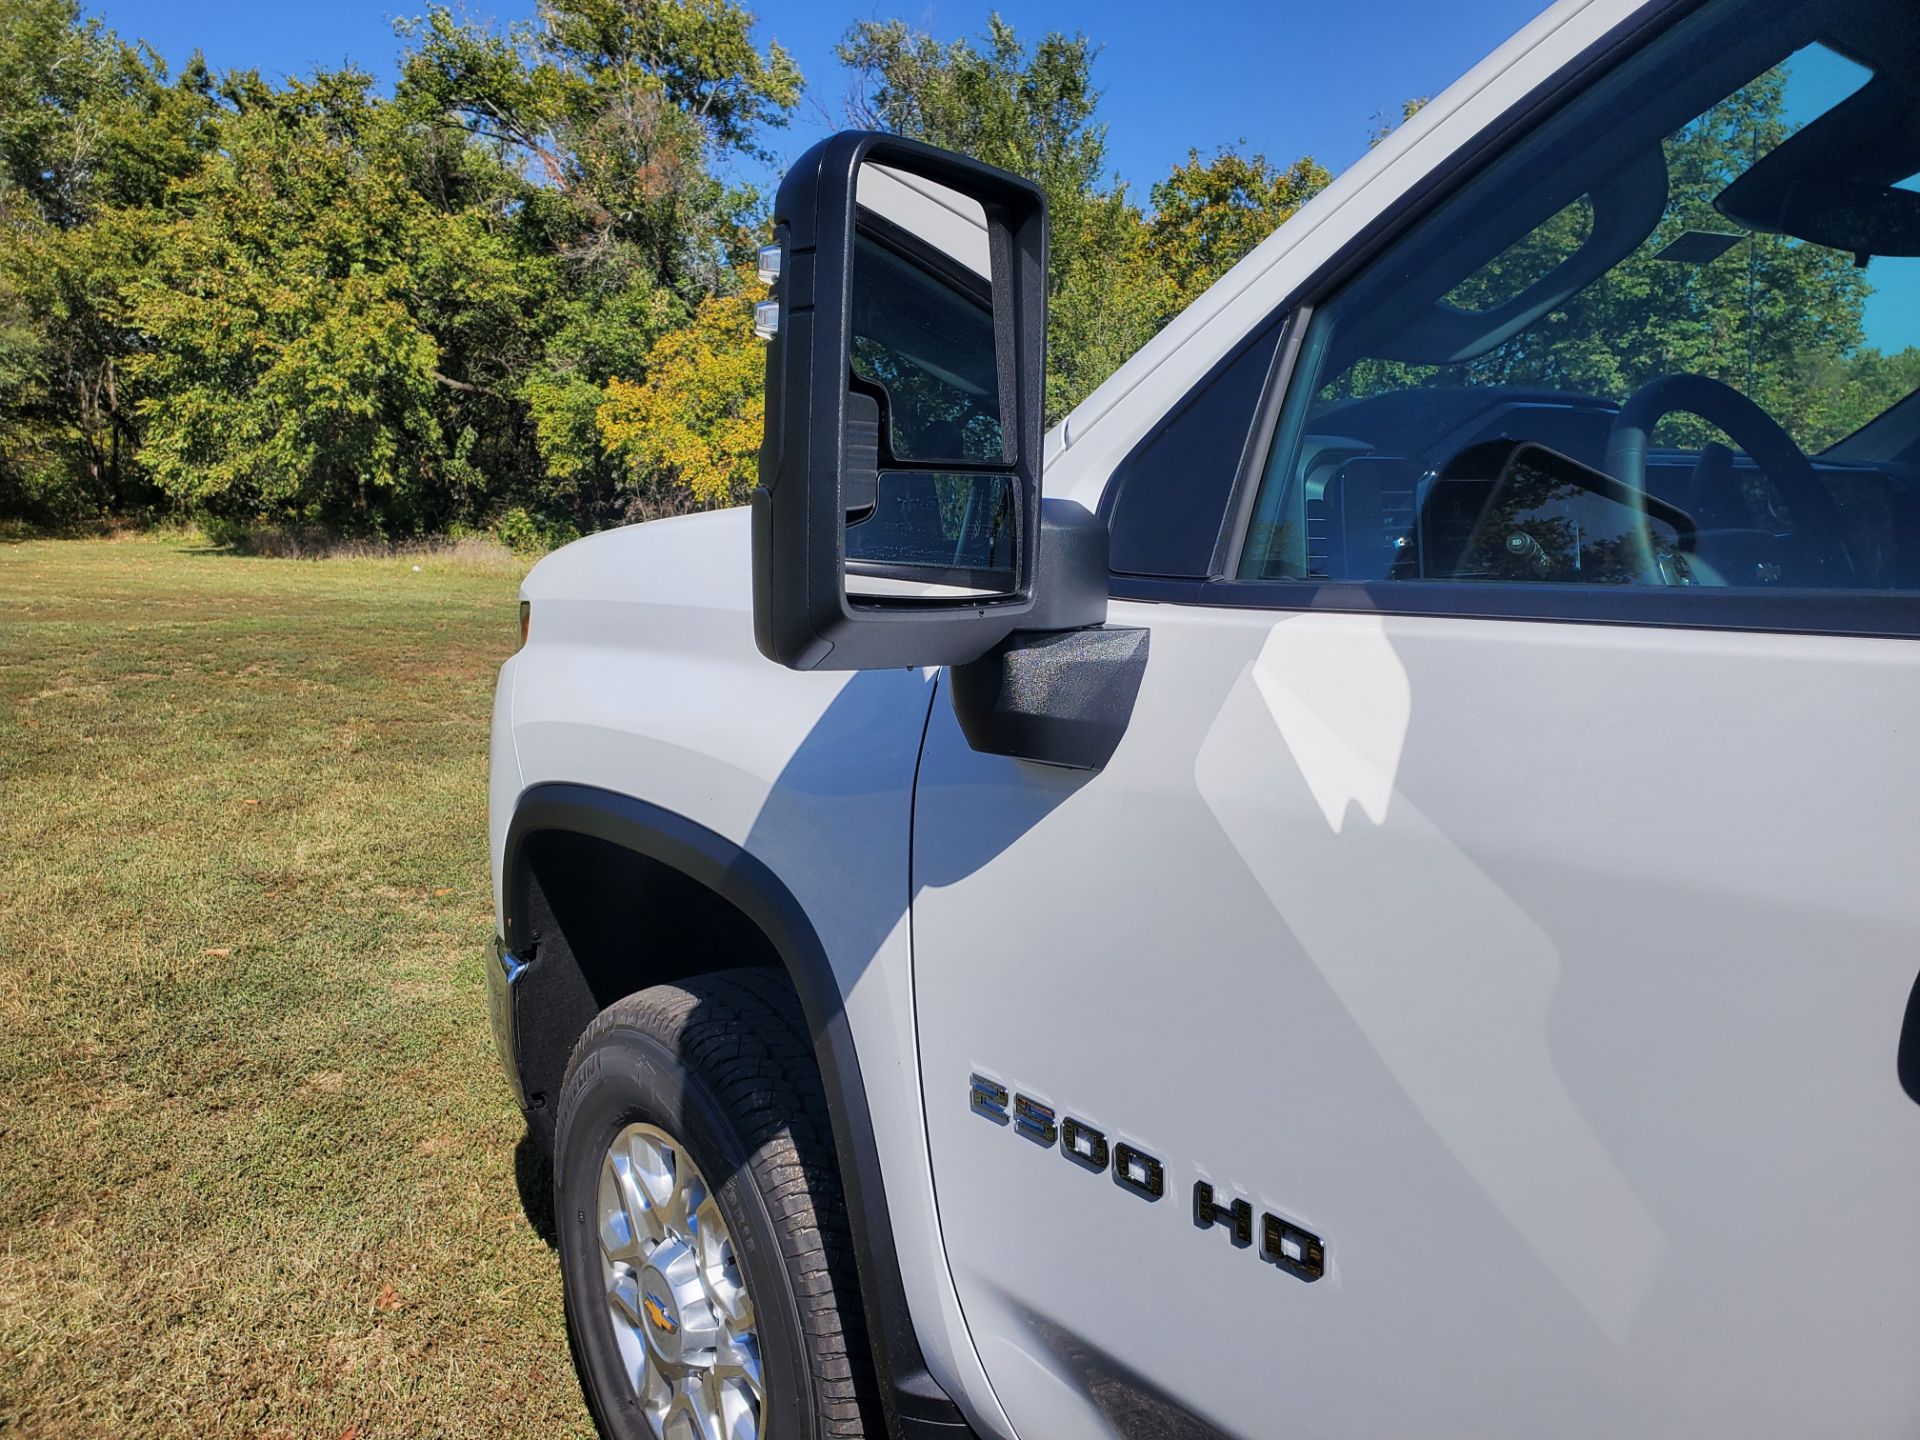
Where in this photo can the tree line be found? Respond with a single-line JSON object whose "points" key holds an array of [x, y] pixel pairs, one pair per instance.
{"points": [[512, 293]]}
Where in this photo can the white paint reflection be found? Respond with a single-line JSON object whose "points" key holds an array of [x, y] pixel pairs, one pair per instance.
{"points": [[1447, 977], [1341, 700]]}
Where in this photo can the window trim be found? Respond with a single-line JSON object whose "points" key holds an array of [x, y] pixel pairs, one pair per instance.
{"points": [[1258, 450], [1893, 614], [916, 251]]}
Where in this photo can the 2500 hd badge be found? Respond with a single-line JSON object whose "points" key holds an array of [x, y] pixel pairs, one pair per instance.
{"points": [[1296, 1250]]}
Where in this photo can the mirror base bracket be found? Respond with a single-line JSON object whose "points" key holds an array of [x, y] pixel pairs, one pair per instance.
{"points": [[1056, 697], [1060, 690]]}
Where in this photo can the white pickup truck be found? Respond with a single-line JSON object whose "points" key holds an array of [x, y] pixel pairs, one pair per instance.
{"points": [[1388, 905]]}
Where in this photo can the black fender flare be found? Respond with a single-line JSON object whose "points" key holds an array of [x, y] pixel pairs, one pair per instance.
{"points": [[915, 1403]]}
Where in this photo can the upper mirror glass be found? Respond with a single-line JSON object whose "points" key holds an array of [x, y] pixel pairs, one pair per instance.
{"points": [[922, 320]]}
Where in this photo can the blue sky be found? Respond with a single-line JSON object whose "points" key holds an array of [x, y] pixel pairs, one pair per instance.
{"points": [[1290, 79]]}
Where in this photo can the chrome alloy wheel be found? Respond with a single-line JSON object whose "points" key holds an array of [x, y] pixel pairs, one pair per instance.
{"points": [[681, 1315]]}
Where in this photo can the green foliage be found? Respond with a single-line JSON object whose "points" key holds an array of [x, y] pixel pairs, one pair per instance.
{"points": [[1208, 214], [307, 304], [617, 108], [693, 428], [1028, 111], [615, 113], [91, 121], [1107, 301], [529, 534], [326, 338], [92, 131], [1117, 274], [603, 327], [509, 296], [1032, 111]]}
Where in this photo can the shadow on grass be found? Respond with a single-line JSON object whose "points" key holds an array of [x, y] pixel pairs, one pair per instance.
{"points": [[533, 1178]]}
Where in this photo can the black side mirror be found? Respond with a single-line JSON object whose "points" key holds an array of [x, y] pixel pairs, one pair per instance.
{"points": [[897, 518]]}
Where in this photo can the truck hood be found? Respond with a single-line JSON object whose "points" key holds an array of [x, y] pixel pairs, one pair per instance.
{"points": [[700, 561]]}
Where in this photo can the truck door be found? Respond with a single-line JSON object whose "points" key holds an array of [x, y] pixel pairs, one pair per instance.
{"points": [[1471, 1000]]}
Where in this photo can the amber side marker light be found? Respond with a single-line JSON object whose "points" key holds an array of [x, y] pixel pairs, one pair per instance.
{"points": [[526, 619]]}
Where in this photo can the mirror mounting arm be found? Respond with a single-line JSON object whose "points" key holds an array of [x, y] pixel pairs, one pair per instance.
{"points": [[1060, 690]]}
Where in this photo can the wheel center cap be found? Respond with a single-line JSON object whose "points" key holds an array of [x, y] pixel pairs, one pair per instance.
{"points": [[660, 1312]]}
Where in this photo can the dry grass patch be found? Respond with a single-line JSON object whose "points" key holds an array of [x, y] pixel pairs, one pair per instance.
{"points": [[259, 1167]]}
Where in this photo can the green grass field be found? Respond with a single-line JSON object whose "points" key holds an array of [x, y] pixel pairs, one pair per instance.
{"points": [[257, 1166]]}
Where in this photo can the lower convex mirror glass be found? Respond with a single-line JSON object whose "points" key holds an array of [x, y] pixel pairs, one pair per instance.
{"points": [[930, 528]]}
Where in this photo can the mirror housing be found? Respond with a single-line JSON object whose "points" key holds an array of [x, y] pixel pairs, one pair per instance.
{"points": [[822, 447]]}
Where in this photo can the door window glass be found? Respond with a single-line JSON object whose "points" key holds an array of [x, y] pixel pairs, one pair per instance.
{"points": [[1671, 339]]}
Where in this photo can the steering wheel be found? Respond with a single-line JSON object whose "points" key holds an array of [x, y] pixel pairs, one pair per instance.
{"points": [[1816, 518]]}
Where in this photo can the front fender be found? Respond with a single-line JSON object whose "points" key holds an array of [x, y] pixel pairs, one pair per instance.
{"points": [[793, 792]]}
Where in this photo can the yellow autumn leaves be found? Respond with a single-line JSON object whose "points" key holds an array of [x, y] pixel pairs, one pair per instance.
{"points": [[697, 417]]}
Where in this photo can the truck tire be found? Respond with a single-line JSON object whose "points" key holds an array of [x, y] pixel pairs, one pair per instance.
{"points": [[704, 1250]]}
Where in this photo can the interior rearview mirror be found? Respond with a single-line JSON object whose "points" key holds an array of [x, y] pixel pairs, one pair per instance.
{"points": [[1860, 217], [897, 517], [1843, 215]]}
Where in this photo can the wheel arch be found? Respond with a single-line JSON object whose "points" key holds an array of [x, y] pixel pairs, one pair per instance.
{"points": [[581, 866]]}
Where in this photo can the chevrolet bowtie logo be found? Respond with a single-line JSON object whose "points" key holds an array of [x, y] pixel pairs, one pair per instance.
{"points": [[657, 1315]]}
